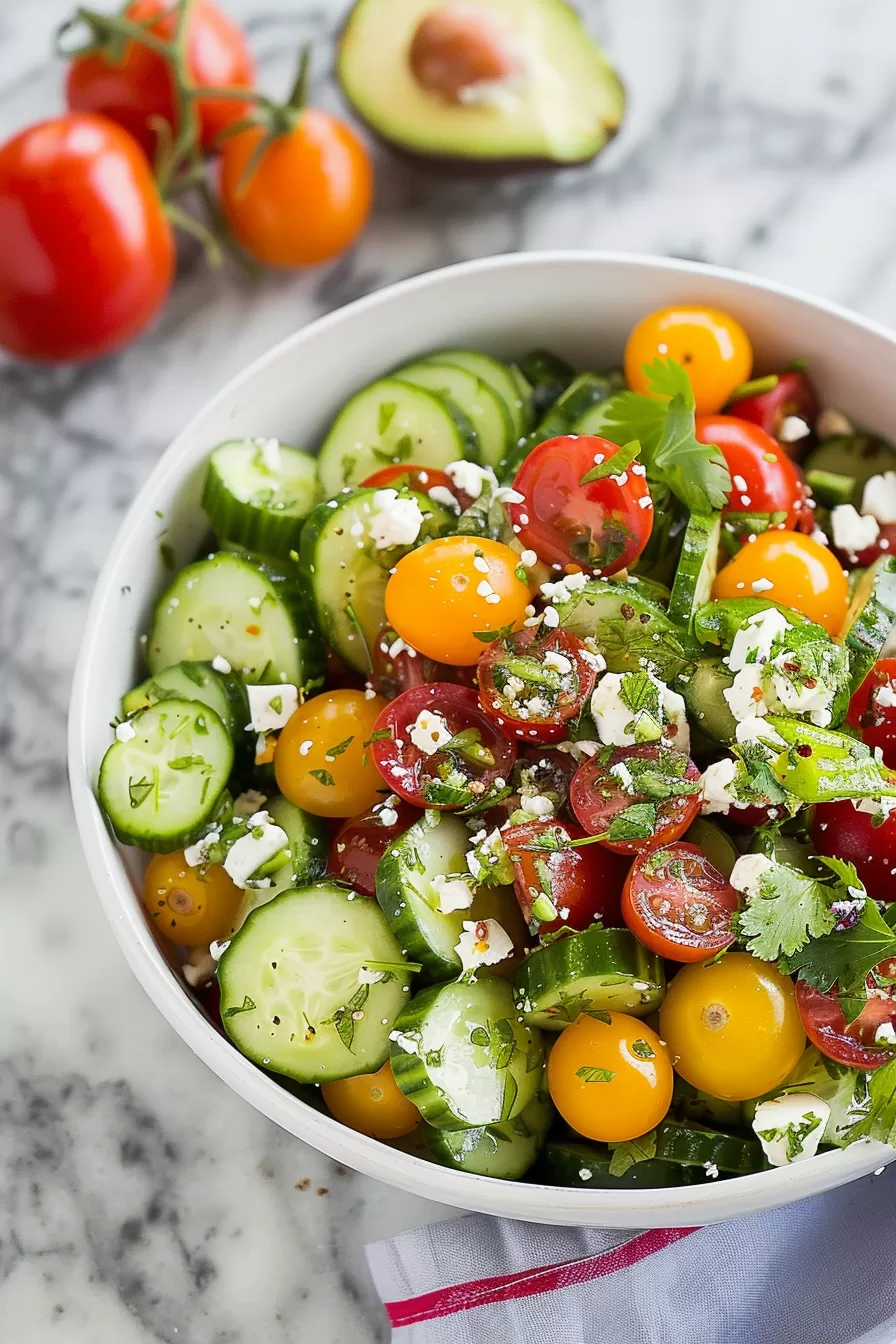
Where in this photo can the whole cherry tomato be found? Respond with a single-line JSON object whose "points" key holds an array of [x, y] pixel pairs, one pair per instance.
{"points": [[873, 709], [582, 883], [323, 761], [534, 682], [791, 569], [372, 1104], [763, 478], [603, 525], [361, 842], [713, 347], [792, 398], [87, 255], [841, 831], [606, 785], [133, 86], [611, 1080], [851, 1044], [677, 904]]}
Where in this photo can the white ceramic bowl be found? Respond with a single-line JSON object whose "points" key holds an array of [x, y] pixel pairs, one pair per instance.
{"points": [[583, 305]]}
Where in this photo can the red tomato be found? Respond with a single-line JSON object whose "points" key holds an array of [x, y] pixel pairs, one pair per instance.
{"points": [[422, 771], [534, 682], [764, 480], [546, 769], [361, 842], [754, 815], [597, 795], [884, 544], [397, 667], [852, 1045], [87, 256], [677, 904], [839, 830], [134, 86], [422, 479], [603, 526], [873, 709], [583, 884], [792, 395]]}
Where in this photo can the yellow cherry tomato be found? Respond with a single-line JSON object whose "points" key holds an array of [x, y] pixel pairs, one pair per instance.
{"points": [[321, 762], [610, 1081], [804, 575], [733, 1029], [190, 906], [445, 589], [372, 1104], [713, 347]]}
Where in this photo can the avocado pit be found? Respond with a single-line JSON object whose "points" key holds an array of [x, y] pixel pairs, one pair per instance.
{"points": [[460, 52]]}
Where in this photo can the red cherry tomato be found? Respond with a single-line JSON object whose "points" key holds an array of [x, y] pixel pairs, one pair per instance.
{"points": [[532, 683], [884, 544], [422, 479], [792, 395], [133, 86], [600, 790], [361, 842], [873, 709], [603, 526], [852, 1044], [583, 884], [546, 769], [396, 667], [839, 830], [763, 478], [413, 759], [677, 904], [754, 815], [87, 255]]}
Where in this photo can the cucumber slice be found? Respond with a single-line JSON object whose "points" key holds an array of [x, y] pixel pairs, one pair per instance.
{"points": [[629, 629], [257, 493], [860, 456], [716, 844], [585, 1164], [505, 379], [194, 681], [707, 707], [549, 376], [870, 618], [505, 1151], [693, 1146], [346, 576], [584, 393], [291, 999], [600, 970], [243, 609], [689, 1104], [717, 622], [476, 398], [697, 568], [409, 898], [830, 488], [393, 421], [160, 787], [309, 848], [463, 1057]]}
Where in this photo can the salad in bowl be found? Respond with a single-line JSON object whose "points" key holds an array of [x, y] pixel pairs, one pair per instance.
{"points": [[517, 774]]}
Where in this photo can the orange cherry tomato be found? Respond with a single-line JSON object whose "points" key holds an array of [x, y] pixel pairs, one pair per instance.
{"points": [[306, 199], [713, 347], [611, 1081], [804, 575], [372, 1104], [322, 763], [446, 589], [189, 906]]}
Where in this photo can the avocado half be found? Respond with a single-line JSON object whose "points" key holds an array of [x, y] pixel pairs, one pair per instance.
{"points": [[550, 99]]}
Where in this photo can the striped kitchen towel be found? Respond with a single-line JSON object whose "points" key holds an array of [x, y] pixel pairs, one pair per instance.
{"points": [[819, 1272]]}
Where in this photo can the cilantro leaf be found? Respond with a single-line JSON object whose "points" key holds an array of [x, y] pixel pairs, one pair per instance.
{"points": [[625, 1155], [696, 472], [878, 1118], [638, 822], [789, 909], [668, 378], [490, 636], [593, 1074], [844, 957], [614, 464]]}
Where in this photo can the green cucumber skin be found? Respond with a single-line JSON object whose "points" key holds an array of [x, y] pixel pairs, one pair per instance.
{"points": [[624, 622], [505, 1151], [507, 380], [549, 377], [693, 1146], [392, 898], [562, 1163], [222, 692], [718, 621], [582, 395], [604, 963], [707, 707], [868, 624], [495, 432], [480, 1004], [253, 525], [697, 566]]}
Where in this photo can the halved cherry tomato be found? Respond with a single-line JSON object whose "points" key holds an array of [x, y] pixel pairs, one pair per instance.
{"points": [[420, 753], [545, 769], [607, 784], [445, 591], [87, 255], [763, 478], [322, 761], [372, 1104], [792, 395], [713, 347], [397, 667], [611, 1081], [602, 526], [873, 709], [677, 904], [840, 830], [804, 575], [361, 842], [852, 1044], [582, 883], [401, 476], [133, 86], [535, 681]]}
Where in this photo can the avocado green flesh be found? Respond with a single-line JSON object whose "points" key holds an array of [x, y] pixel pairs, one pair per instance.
{"points": [[564, 108]]}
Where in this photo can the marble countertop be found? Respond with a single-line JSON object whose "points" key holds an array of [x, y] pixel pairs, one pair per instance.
{"points": [[141, 1200]]}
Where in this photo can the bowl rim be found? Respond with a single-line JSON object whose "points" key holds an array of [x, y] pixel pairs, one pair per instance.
{"points": [[576, 1206]]}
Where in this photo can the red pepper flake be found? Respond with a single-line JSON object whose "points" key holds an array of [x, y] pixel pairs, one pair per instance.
{"points": [[253, 629], [804, 750], [756, 693]]}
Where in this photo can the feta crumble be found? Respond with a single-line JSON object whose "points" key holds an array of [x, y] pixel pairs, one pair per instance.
{"points": [[252, 851], [879, 497], [790, 1127], [125, 732], [717, 780], [394, 521], [748, 872], [221, 664], [483, 943], [271, 707], [853, 531], [429, 732], [454, 893]]}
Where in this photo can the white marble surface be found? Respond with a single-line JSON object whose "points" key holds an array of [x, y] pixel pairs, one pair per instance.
{"points": [[140, 1201]]}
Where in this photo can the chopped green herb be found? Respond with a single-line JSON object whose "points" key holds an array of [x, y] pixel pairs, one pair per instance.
{"points": [[592, 1074], [246, 1006], [323, 777], [615, 464], [340, 747], [386, 412]]}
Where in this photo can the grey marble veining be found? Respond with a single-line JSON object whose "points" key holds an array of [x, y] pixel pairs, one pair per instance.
{"points": [[140, 1200]]}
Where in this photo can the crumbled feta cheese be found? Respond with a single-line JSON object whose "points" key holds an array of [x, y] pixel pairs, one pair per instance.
{"points": [[488, 850], [551, 617], [454, 893], [615, 721], [875, 807], [440, 494], [579, 751], [197, 854], [790, 1127], [558, 661], [368, 977], [217, 948], [410, 1044], [470, 477], [251, 851], [125, 732], [739, 483], [793, 428], [528, 559], [585, 1174], [751, 731], [563, 589], [484, 588], [394, 521], [305, 747], [537, 805], [221, 664], [387, 816], [271, 707], [885, 1034], [270, 453], [711, 1170], [748, 872], [831, 423], [762, 585], [716, 781], [753, 642], [623, 774], [483, 943], [879, 497], [429, 732], [248, 803], [884, 696], [814, 701], [853, 531]]}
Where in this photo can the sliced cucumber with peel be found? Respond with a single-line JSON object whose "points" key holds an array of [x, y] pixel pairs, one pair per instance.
{"points": [[486, 411], [583, 393], [574, 1163], [859, 456], [632, 631], [463, 1057], [697, 568], [718, 621], [548, 375], [221, 691], [694, 1146], [160, 787], [507, 380], [505, 1151], [291, 997], [870, 618], [388, 422], [600, 970], [258, 492], [309, 848], [707, 707]]}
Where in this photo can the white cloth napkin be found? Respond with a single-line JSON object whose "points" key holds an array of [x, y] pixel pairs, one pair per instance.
{"points": [[819, 1272]]}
